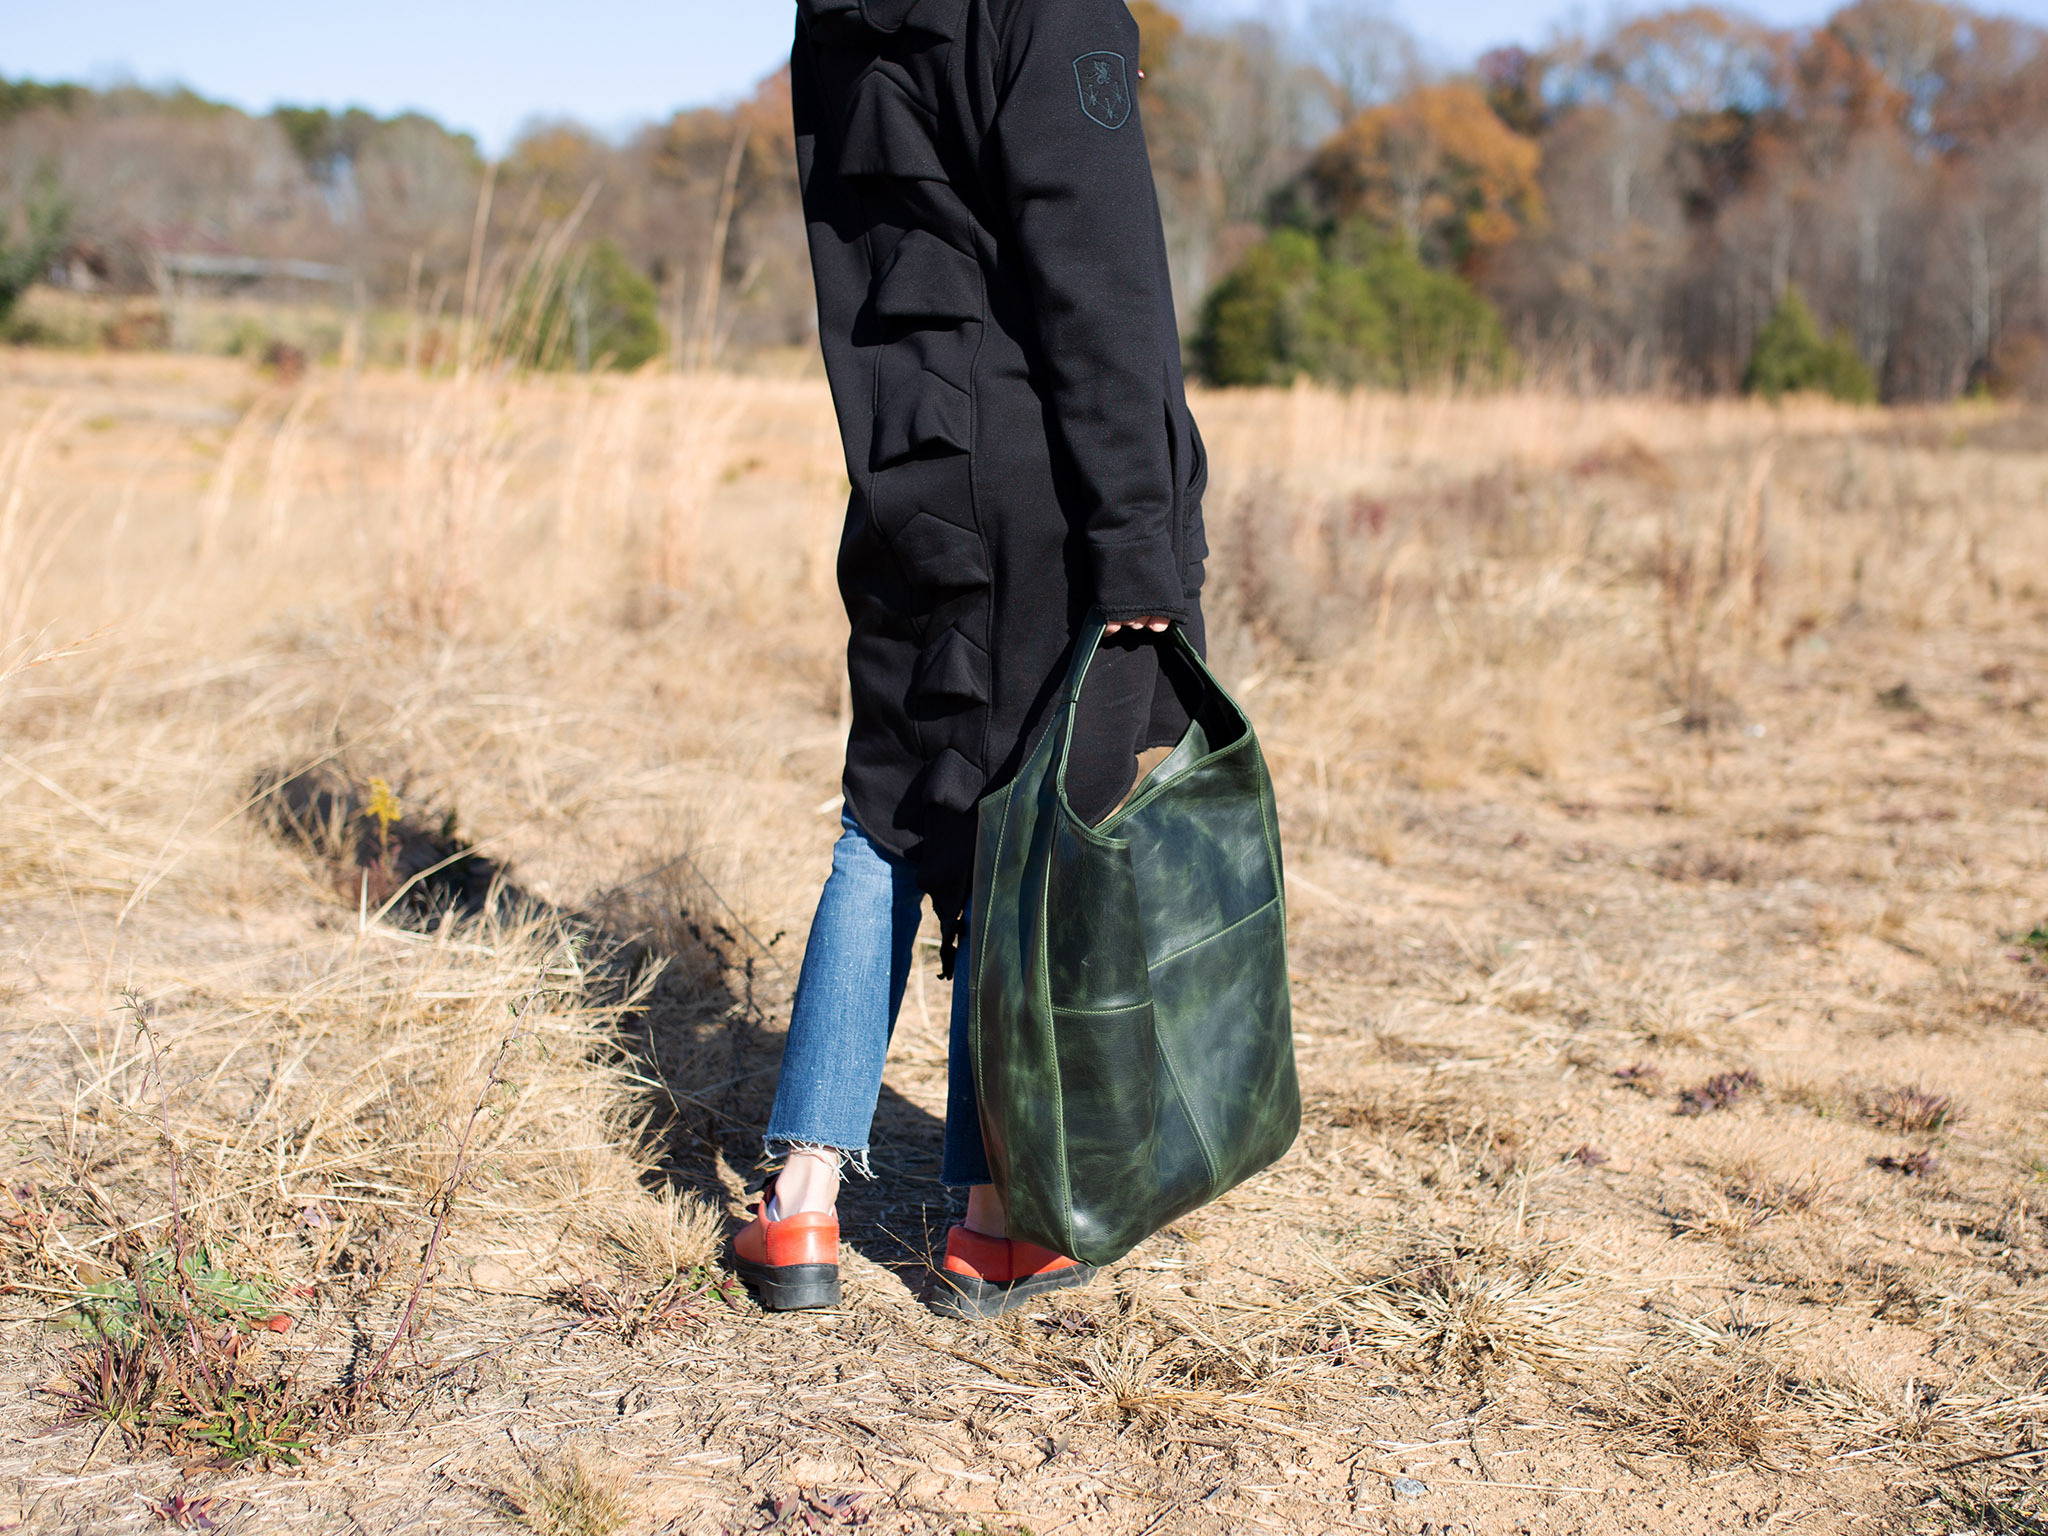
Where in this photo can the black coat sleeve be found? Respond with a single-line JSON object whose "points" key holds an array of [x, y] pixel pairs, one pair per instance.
{"points": [[1069, 160]]}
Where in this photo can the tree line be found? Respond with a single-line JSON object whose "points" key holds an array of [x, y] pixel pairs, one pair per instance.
{"points": [[685, 230], [1688, 200]]}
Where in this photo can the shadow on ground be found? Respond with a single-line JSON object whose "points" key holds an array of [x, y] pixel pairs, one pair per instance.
{"points": [[696, 1033]]}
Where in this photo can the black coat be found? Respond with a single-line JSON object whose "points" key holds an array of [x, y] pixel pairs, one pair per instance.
{"points": [[998, 330]]}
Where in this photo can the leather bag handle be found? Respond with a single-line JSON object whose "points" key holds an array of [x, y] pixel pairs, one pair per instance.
{"points": [[1085, 646]]}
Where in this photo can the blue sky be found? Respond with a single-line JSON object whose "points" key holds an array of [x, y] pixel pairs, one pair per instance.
{"points": [[610, 63]]}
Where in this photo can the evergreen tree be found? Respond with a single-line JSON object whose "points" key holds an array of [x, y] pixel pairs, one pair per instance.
{"points": [[1792, 356], [1359, 309], [1437, 330], [603, 313], [1251, 318], [615, 312], [30, 240]]}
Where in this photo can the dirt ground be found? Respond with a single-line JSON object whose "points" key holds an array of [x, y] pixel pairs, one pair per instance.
{"points": [[1665, 793]]}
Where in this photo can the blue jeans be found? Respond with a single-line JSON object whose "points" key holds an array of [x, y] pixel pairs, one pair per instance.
{"points": [[856, 965]]}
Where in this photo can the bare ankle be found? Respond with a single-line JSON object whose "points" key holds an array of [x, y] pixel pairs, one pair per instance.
{"points": [[985, 1213], [807, 1182]]}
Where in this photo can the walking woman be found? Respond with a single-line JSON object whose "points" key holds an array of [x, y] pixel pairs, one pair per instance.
{"points": [[998, 332]]}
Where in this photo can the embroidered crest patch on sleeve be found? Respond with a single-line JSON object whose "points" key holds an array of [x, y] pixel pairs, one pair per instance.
{"points": [[1105, 88]]}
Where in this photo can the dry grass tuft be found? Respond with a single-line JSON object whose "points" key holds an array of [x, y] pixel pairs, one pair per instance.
{"points": [[679, 1305], [567, 1493], [1747, 1194], [1947, 1422], [1720, 1409], [1163, 1371], [1714, 1216], [381, 1047], [1470, 1308], [1775, 1192], [1992, 1507], [1910, 1110], [1477, 1133], [1688, 863], [1666, 1007], [672, 1232]]}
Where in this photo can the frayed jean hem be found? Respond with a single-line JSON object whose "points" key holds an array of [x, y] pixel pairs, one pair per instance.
{"points": [[775, 1151]]}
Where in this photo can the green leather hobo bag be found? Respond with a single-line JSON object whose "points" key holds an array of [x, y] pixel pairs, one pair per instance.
{"points": [[1131, 1039]]}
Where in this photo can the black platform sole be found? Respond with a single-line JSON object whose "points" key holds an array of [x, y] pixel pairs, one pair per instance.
{"points": [[978, 1300], [789, 1287]]}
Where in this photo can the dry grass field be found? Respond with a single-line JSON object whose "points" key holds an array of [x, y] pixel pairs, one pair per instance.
{"points": [[412, 796]]}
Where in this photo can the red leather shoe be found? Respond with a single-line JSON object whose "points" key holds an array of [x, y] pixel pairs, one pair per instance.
{"points": [[987, 1276], [789, 1264]]}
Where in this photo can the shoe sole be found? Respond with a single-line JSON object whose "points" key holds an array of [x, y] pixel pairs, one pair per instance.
{"points": [[789, 1287], [963, 1296]]}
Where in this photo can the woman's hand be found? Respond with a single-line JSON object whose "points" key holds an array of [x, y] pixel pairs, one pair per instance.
{"points": [[1148, 621]]}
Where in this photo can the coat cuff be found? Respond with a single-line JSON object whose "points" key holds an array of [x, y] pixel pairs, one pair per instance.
{"points": [[1137, 578]]}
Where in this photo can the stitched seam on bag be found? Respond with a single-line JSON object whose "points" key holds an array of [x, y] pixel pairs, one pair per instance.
{"points": [[1086, 832], [1102, 1012], [1272, 832], [1187, 1108], [1257, 911], [1139, 801], [1202, 1135], [1059, 1087]]}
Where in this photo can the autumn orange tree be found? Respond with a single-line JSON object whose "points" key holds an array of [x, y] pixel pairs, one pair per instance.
{"points": [[1439, 167]]}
